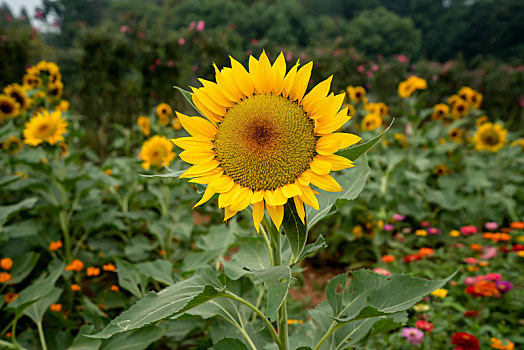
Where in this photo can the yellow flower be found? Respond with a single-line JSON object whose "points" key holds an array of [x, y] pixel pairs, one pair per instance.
{"points": [[176, 124], [454, 233], [145, 125], [421, 308], [63, 106], [45, 126], [17, 92], [454, 99], [405, 89], [519, 142], [157, 151], [56, 89], [32, 81], [402, 139], [421, 233], [163, 111], [379, 108], [501, 344], [419, 83], [265, 142], [441, 293], [371, 122], [465, 93], [8, 107], [521, 253], [475, 100], [357, 231], [520, 239], [490, 137], [481, 120], [460, 108], [455, 135], [64, 149], [291, 321], [441, 170], [440, 111], [13, 145], [356, 93], [472, 268], [351, 109]]}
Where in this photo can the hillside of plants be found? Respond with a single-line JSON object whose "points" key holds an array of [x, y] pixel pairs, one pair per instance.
{"points": [[287, 174]]}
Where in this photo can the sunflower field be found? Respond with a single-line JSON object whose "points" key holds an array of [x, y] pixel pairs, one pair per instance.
{"points": [[226, 186]]}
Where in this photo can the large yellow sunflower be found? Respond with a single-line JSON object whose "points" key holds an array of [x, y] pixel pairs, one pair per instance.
{"points": [[17, 92], [265, 141], [156, 151], [490, 137], [8, 107], [45, 127]]}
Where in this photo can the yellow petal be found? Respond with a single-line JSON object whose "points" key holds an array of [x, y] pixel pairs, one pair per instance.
{"points": [[300, 209], [309, 197], [318, 93], [320, 166], [229, 213], [337, 162], [197, 169], [289, 80], [327, 125], [193, 143], [198, 127], [301, 82], [218, 93], [257, 197], [305, 178], [331, 143], [211, 116], [206, 179], [325, 182], [243, 199], [203, 96], [275, 197], [258, 214], [276, 213], [224, 200], [265, 74], [222, 184], [194, 157], [291, 190], [243, 80], [279, 69], [208, 194], [229, 88]]}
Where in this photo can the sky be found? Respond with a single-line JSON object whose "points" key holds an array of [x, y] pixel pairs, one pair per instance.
{"points": [[16, 5]]}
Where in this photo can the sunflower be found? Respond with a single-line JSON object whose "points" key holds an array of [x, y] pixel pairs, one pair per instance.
{"points": [[17, 92], [476, 100], [45, 126], [455, 135], [481, 120], [156, 151], [454, 99], [63, 106], [163, 111], [371, 122], [176, 124], [490, 137], [351, 109], [144, 123], [8, 107], [32, 81], [13, 145], [440, 111], [519, 142], [408, 86], [402, 139], [460, 108], [466, 93], [356, 93], [441, 170], [379, 108], [56, 89], [265, 142]]}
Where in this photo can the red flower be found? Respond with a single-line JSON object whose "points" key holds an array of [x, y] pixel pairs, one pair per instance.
{"points": [[465, 341], [424, 325], [517, 247], [412, 257], [471, 313]]}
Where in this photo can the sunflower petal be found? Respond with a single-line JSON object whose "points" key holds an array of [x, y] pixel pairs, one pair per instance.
{"points": [[337, 162], [258, 214], [196, 157], [318, 93], [229, 213], [243, 199], [222, 184], [242, 78], [198, 127], [309, 197], [276, 213], [301, 82], [320, 166], [331, 143], [208, 194], [197, 169], [291, 190], [193, 143], [325, 182], [327, 125], [300, 209]]}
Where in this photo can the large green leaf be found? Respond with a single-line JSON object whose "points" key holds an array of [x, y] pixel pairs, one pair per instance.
{"points": [[37, 309], [253, 254], [8, 210], [38, 289], [176, 299], [312, 248], [277, 280], [84, 343], [229, 344], [355, 152], [352, 181], [22, 266], [296, 231], [158, 270], [136, 340], [130, 278]]}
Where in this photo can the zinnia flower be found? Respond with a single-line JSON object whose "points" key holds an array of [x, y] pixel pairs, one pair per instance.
{"points": [[441, 293], [265, 142], [388, 258], [6, 263], [502, 344], [413, 335], [465, 341], [382, 271], [75, 265], [56, 307], [504, 286], [45, 127], [424, 325], [468, 230], [399, 217]]}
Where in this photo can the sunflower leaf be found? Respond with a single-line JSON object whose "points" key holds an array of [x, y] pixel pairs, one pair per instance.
{"points": [[277, 280], [355, 152], [189, 98], [296, 231]]}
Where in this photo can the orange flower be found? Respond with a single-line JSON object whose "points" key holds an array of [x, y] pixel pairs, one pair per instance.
{"points": [[109, 267], [4, 277], [108, 172], [115, 288], [55, 245], [76, 288], [56, 307], [476, 247], [483, 263], [425, 251], [76, 265], [93, 271], [9, 297], [388, 258], [517, 225], [6, 263], [486, 288]]}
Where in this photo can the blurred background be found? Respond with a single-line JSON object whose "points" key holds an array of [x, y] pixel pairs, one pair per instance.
{"points": [[120, 58]]}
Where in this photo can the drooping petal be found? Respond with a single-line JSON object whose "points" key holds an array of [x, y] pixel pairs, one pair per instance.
{"points": [[242, 200], [331, 143], [309, 197], [208, 194], [197, 169], [291, 190], [258, 214], [325, 182], [222, 184], [276, 213], [300, 208], [229, 213], [337, 162], [320, 166]]}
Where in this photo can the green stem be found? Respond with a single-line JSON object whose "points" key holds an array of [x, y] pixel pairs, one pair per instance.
{"points": [[268, 245], [272, 331], [64, 224], [41, 335]]}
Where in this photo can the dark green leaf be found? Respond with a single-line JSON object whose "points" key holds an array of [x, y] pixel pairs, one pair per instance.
{"points": [[22, 267], [84, 343], [129, 277], [37, 309], [8, 210], [355, 152], [136, 340], [277, 280], [312, 248], [296, 231], [229, 344], [189, 98]]}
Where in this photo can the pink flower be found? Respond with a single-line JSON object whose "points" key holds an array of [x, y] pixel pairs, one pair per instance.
{"points": [[489, 253], [39, 14], [5, 38], [406, 230], [369, 74], [433, 231], [492, 226], [388, 227], [493, 276], [125, 29], [191, 25], [399, 217], [201, 25], [469, 281], [289, 56], [361, 68], [425, 224], [401, 58], [468, 230], [158, 61], [170, 63], [382, 271], [152, 68], [413, 335], [181, 41], [254, 41], [470, 260], [141, 35], [521, 101], [374, 67]]}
